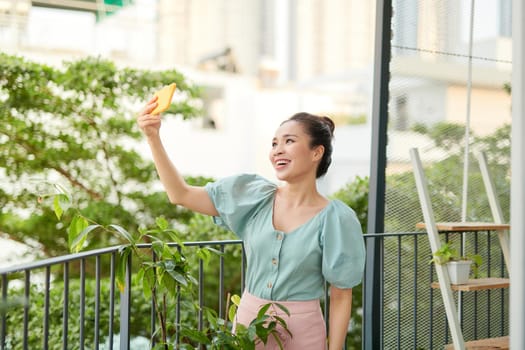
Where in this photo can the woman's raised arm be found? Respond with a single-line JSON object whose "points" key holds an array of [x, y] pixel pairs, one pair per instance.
{"points": [[179, 192]]}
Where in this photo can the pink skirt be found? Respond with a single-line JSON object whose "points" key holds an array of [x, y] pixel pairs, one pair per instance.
{"points": [[306, 322]]}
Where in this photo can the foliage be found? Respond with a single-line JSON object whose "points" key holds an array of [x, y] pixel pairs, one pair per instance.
{"points": [[447, 253], [419, 128], [201, 228], [348, 119], [444, 177], [56, 304], [263, 327], [448, 136], [75, 125], [355, 195], [164, 274]]}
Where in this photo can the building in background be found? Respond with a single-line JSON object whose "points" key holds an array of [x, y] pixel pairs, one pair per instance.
{"points": [[260, 61], [430, 63], [303, 39]]}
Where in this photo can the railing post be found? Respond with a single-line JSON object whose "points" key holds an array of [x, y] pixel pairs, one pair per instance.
{"points": [[3, 329], [65, 308], [125, 305], [373, 282]]}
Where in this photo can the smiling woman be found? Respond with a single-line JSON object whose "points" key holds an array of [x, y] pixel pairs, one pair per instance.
{"points": [[274, 221]]}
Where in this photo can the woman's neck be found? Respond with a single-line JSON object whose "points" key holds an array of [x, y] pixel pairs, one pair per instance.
{"points": [[300, 194]]}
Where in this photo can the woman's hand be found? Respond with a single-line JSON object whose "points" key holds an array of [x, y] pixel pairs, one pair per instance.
{"points": [[149, 123]]}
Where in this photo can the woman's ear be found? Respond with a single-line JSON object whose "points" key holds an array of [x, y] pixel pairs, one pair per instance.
{"points": [[318, 152]]}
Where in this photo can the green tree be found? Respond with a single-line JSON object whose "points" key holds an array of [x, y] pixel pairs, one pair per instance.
{"points": [[75, 126], [445, 180]]}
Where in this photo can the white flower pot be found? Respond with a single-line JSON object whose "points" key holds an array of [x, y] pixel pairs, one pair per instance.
{"points": [[459, 271]]}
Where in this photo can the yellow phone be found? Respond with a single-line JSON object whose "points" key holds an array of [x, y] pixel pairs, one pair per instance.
{"points": [[164, 98]]}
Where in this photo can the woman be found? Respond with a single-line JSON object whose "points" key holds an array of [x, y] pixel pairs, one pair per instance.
{"points": [[295, 238]]}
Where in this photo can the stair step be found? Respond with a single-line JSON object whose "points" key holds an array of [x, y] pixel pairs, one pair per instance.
{"points": [[466, 226], [478, 284], [500, 343]]}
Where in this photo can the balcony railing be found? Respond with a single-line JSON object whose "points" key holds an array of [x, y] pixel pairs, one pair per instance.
{"points": [[74, 298], [413, 314]]}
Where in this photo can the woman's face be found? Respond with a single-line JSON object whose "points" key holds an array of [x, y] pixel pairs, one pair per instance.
{"points": [[291, 155]]}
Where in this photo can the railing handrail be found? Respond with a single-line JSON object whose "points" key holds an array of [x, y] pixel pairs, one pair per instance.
{"points": [[90, 253]]}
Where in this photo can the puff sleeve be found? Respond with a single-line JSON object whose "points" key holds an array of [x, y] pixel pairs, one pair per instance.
{"points": [[237, 199], [343, 247]]}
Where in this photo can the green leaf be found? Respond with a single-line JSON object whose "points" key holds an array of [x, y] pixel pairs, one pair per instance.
{"points": [[175, 238], [444, 254], [168, 265], [158, 248], [262, 310], [252, 333], [275, 335], [216, 251], [195, 335], [283, 324], [236, 300], [248, 345], [262, 332], [260, 320], [79, 240], [178, 277], [57, 207], [211, 316], [168, 285], [122, 262], [204, 254], [161, 222], [282, 307], [148, 282], [192, 280], [231, 313], [123, 232], [77, 225]]}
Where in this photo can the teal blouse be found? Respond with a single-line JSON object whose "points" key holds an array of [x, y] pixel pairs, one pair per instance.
{"points": [[294, 265]]}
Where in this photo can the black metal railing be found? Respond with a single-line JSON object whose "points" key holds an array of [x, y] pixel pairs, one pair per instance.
{"points": [[74, 300], [83, 287], [413, 314]]}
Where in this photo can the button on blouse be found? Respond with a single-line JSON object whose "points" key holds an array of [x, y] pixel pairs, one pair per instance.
{"points": [[292, 265]]}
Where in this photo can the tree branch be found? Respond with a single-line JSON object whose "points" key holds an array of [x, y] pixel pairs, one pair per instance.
{"points": [[76, 183]]}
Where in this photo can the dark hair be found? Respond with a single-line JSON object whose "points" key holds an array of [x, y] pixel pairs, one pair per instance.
{"points": [[321, 131]]}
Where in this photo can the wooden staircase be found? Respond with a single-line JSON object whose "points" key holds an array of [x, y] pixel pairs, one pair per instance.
{"points": [[447, 289], [485, 344]]}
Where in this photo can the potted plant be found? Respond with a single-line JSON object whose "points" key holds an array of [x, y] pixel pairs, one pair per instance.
{"points": [[458, 266]]}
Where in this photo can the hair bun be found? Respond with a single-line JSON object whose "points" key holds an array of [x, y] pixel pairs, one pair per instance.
{"points": [[329, 122]]}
